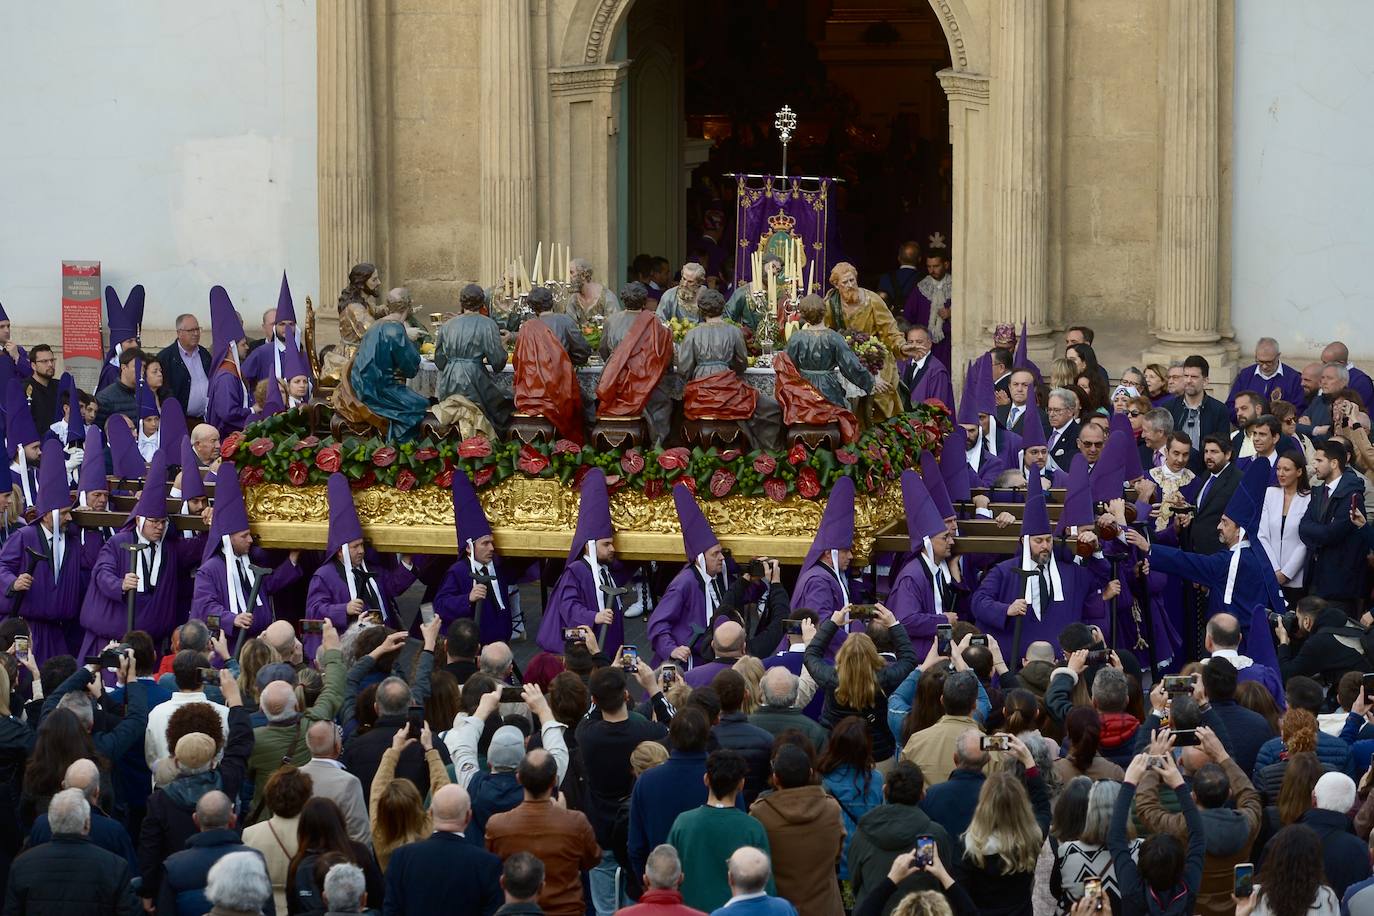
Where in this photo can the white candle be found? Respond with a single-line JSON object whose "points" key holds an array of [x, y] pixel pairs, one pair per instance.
{"points": [[538, 261], [810, 276]]}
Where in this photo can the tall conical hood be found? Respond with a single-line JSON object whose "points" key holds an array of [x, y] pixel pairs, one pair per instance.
{"points": [[76, 427], [697, 536], [172, 430], [923, 518], [54, 492], [293, 361], [272, 403], [66, 389], [934, 483], [125, 460], [1022, 356], [343, 515], [954, 466], [192, 485], [286, 309], [1108, 478], [124, 319], [231, 515], [147, 400], [1130, 456], [1247, 502], [93, 463], [152, 502], [469, 519], [1036, 520], [986, 387], [593, 514], [1078, 503], [1032, 432], [225, 325], [836, 531], [19, 428]]}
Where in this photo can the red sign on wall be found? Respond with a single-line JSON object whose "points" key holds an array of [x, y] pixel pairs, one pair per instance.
{"points": [[81, 310]]}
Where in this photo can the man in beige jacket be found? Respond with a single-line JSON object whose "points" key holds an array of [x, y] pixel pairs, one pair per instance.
{"points": [[932, 749]]}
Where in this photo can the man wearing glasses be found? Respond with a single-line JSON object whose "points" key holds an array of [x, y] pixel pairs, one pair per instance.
{"points": [[1063, 435], [40, 389], [186, 369]]}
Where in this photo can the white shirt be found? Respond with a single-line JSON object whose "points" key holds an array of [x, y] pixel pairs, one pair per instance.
{"points": [[155, 738]]}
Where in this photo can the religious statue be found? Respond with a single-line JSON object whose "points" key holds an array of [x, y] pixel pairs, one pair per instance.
{"points": [[681, 300], [806, 385], [587, 302], [372, 387], [713, 357], [639, 352], [358, 308], [468, 354], [850, 306], [414, 326], [545, 381]]}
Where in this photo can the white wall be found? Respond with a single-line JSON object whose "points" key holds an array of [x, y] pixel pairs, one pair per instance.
{"points": [[173, 140], [1303, 227]]}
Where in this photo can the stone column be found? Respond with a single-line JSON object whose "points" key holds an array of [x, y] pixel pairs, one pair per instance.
{"points": [[970, 139], [507, 138], [347, 207], [1186, 297], [1020, 215]]}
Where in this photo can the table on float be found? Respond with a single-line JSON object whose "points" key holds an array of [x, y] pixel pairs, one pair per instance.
{"points": [[426, 381]]}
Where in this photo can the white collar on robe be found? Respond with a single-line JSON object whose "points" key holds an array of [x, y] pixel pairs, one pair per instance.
{"points": [[1032, 590]]}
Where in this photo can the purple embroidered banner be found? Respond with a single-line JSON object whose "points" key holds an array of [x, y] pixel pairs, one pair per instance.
{"points": [[769, 209]]}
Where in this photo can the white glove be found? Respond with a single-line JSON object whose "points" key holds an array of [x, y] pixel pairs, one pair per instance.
{"points": [[75, 457]]}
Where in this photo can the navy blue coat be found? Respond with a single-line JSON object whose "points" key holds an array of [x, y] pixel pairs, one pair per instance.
{"points": [[443, 874], [951, 803], [1248, 730], [1345, 857], [106, 832], [184, 874]]}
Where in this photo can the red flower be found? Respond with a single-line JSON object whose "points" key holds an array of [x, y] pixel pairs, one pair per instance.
{"points": [[674, 459], [531, 461], [481, 478], [365, 481], [444, 479], [722, 482], [765, 464], [690, 482], [298, 473], [632, 462], [307, 442], [476, 447], [808, 484], [868, 481], [428, 453], [260, 446], [905, 429], [797, 455], [384, 457], [775, 488], [566, 447], [230, 445], [329, 459], [251, 476], [405, 480], [653, 488], [730, 454], [847, 456]]}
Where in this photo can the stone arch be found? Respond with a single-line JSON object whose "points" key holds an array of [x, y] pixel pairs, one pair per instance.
{"points": [[968, 51]]}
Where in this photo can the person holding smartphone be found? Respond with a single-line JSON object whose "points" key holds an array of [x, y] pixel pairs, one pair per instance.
{"points": [[1335, 553]]}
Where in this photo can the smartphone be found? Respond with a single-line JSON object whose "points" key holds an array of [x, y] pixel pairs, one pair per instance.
{"points": [[669, 674], [415, 721], [1155, 763], [212, 621], [21, 647], [925, 851], [863, 611], [1098, 656], [209, 676], [995, 742], [1184, 737], [1244, 883], [511, 694], [629, 658], [314, 627], [1178, 683], [944, 639], [1369, 686], [1355, 503], [573, 634], [978, 639], [794, 628], [1092, 890]]}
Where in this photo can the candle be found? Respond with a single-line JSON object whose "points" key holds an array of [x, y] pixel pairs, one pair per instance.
{"points": [[524, 277], [810, 276], [567, 260], [538, 261], [772, 291]]}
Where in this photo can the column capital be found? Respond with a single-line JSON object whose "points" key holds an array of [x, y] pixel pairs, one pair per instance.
{"points": [[588, 80], [961, 86]]}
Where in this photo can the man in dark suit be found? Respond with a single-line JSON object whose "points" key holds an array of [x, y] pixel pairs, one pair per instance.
{"points": [[1196, 413], [895, 286], [179, 361], [1214, 491], [1335, 556], [1012, 416], [919, 374], [447, 872], [1062, 436]]}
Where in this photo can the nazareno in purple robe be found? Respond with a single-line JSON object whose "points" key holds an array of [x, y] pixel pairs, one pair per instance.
{"points": [[680, 617], [933, 383], [211, 594], [818, 589], [328, 596], [574, 602], [48, 605], [917, 311], [1004, 584], [451, 602], [912, 602], [226, 411], [103, 613], [1288, 385]]}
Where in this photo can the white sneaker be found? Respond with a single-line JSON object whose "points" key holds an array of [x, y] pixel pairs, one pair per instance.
{"points": [[634, 610]]}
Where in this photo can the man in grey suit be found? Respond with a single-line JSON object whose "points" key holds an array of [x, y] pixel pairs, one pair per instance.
{"points": [[330, 780]]}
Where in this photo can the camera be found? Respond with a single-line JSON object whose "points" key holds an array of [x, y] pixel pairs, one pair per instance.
{"points": [[756, 569], [110, 657]]}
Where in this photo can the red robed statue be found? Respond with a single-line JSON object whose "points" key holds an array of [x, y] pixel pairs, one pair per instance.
{"points": [[545, 383], [802, 402], [722, 396], [636, 366]]}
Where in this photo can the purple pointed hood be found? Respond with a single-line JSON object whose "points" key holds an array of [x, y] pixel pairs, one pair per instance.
{"points": [[147, 400], [968, 398], [192, 486], [286, 309], [125, 460], [54, 492], [66, 387], [93, 463], [1108, 479], [4, 315], [124, 319], [593, 514], [1021, 359], [1247, 502], [697, 536], [272, 403], [1131, 465], [152, 502], [19, 428], [231, 515], [76, 427], [225, 325], [1032, 432], [923, 518], [293, 361], [934, 483], [1078, 502], [986, 389], [954, 466], [836, 531], [469, 519], [1036, 520], [343, 515], [172, 430]]}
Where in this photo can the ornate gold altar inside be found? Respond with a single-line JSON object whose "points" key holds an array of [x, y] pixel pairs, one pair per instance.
{"points": [[536, 518]]}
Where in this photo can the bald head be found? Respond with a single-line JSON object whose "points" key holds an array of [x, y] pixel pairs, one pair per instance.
{"points": [[968, 750], [1336, 352], [280, 635], [278, 701], [205, 442], [1040, 651], [729, 639], [1223, 632], [83, 774], [451, 808], [398, 296], [496, 659], [323, 740], [779, 688], [213, 811], [747, 870]]}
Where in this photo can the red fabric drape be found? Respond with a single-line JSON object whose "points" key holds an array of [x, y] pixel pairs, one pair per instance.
{"points": [[801, 402], [635, 367], [545, 382], [722, 396]]}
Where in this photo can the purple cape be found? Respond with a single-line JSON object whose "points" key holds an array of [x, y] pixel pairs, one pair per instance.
{"points": [[451, 601], [574, 602], [680, 611], [49, 604], [211, 594], [328, 595], [103, 612], [1003, 585]]}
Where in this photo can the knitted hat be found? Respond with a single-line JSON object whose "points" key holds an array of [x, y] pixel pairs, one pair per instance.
{"points": [[195, 751]]}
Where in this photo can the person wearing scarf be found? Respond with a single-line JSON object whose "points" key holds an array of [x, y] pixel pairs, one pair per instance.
{"points": [[353, 581], [225, 579], [687, 611], [1046, 592], [40, 567], [229, 403], [123, 320], [462, 595], [923, 592], [151, 572], [580, 597]]}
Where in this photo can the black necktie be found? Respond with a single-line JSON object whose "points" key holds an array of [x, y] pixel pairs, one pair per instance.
{"points": [[365, 585], [1046, 593], [244, 584]]}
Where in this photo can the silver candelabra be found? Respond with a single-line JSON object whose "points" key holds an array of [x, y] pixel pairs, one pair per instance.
{"points": [[785, 123]]}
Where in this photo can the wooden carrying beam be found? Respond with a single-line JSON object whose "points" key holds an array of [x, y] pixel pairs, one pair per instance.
{"points": [[90, 518]]}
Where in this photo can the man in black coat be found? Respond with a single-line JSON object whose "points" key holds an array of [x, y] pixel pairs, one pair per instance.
{"points": [[1335, 556], [446, 873], [1330, 645], [363, 753], [734, 732], [177, 376], [1196, 413], [69, 874], [1013, 415], [1345, 857], [1062, 437], [1218, 481], [185, 873]]}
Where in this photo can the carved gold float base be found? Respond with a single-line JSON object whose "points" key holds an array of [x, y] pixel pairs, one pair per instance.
{"points": [[536, 518]]}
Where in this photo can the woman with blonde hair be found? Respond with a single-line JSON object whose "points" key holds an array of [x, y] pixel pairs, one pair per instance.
{"points": [[998, 852], [1156, 384], [256, 655], [860, 680], [397, 811], [751, 669], [1063, 372]]}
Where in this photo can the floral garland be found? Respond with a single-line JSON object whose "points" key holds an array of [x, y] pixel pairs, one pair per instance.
{"points": [[281, 450]]}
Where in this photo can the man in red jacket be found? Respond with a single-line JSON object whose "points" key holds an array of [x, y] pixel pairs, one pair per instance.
{"points": [[661, 897]]}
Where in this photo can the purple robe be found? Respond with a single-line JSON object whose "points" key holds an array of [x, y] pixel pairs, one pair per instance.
{"points": [[917, 311], [574, 602], [990, 467], [912, 602], [21, 368], [1362, 385], [1004, 584], [328, 597], [109, 374], [1288, 385], [259, 364], [933, 383], [703, 675], [451, 602], [211, 594], [49, 605], [818, 589], [104, 611], [680, 617], [225, 410]]}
